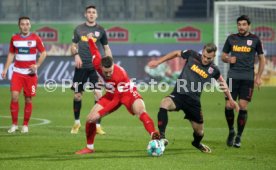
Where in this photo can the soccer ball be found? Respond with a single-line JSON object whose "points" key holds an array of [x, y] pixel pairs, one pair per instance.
{"points": [[155, 148]]}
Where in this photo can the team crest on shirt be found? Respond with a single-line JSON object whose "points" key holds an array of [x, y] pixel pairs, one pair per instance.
{"points": [[29, 43], [210, 70], [249, 42], [97, 34]]}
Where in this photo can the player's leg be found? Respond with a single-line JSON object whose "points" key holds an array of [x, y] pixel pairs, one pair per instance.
{"points": [[30, 85], [229, 112], [167, 104], [138, 108], [198, 135], [16, 87], [79, 78], [245, 95]]}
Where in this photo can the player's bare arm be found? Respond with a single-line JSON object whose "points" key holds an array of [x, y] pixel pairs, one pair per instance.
{"points": [[225, 88], [107, 51], [74, 51], [228, 59], [42, 57], [8, 63], [169, 56], [260, 70]]}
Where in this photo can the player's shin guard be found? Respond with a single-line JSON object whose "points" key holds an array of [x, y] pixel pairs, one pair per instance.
{"points": [[148, 123], [162, 121], [241, 121], [77, 108], [14, 107], [229, 115], [90, 130], [27, 113], [197, 139]]}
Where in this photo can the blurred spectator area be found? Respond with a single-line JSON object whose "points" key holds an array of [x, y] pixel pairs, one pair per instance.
{"points": [[109, 10]]}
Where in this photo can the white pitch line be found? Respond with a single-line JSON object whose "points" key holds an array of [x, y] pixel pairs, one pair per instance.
{"points": [[43, 122]]}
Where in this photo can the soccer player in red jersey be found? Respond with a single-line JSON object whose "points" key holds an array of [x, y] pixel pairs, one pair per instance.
{"points": [[119, 91], [23, 47]]}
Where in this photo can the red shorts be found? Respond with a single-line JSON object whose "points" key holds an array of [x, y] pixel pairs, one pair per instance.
{"points": [[110, 103], [27, 82]]}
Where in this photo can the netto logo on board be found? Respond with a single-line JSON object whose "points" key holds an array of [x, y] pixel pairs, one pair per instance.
{"points": [[117, 34], [47, 34]]}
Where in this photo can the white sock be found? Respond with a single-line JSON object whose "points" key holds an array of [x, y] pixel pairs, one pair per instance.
{"points": [[90, 146], [98, 125], [77, 121]]}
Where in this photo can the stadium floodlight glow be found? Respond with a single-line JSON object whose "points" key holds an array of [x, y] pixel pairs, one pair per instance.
{"points": [[262, 15]]}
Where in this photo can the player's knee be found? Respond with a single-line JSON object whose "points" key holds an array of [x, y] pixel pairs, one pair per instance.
{"points": [[165, 103], [14, 98], [199, 132], [243, 106], [28, 100], [77, 96]]}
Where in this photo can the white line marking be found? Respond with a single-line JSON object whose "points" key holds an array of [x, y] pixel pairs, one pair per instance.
{"points": [[43, 122]]}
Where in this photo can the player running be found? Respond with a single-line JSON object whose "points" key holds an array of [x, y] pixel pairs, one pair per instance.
{"points": [[199, 69], [119, 92], [23, 47]]}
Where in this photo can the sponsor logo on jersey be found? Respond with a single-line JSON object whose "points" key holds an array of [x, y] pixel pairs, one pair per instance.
{"points": [[23, 50], [244, 49], [85, 39], [199, 71]]}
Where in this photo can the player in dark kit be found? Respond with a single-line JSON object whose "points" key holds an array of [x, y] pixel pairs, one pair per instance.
{"points": [[119, 91], [198, 70], [242, 46], [84, 69]]}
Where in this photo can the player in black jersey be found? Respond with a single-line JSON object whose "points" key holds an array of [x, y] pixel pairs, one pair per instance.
{"points": [[239, 51], [198, 70], [84, 70]]}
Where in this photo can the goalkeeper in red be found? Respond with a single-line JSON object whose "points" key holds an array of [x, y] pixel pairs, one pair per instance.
{"points": [[119, 91]]}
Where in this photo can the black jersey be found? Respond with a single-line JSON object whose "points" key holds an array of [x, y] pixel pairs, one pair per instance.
{"points": [[244, 48], [194, 75], [81, 39]]}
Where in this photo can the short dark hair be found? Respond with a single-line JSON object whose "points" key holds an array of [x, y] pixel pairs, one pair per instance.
{"points": [[107, 62], [244, 17], [23, 17], [90, 6], [210, 47]]}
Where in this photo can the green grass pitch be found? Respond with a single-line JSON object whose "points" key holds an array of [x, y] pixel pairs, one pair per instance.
{"points": [[51, 146]]}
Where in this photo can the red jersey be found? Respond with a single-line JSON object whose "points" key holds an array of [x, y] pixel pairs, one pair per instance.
{"points": [[119, 81], [25, 50]]}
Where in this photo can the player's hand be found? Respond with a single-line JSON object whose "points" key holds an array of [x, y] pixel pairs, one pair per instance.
{"points": [[78, 62], [153, 64], [234, 105], [4, 74], [90, 36], [258, 82], [232, 60], [33, 68]]}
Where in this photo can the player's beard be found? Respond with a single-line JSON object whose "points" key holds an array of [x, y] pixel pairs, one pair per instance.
{"points": [[243, 32]]}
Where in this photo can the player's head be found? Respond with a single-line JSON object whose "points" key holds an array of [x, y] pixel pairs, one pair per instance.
{"points": [[91, 13], [24, 25], [107, 65], [243, 24], [208, 53]]}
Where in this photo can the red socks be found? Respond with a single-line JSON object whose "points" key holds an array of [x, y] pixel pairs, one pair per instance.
{"points": [[27, 113], [90, 132], [14, 107], [148, 123]]}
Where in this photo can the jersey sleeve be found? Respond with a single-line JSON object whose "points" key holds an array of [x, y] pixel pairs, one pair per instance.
{"points": [[75, 38], [97, 56], [39, 44], [227, 46], [185, 54], [12, 47], [259, 47], [103, 39]]}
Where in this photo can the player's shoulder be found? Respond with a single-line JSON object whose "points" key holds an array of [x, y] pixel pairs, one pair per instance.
{"points": [[99, 27], [233, 35], [80, 26], [253, 36]]}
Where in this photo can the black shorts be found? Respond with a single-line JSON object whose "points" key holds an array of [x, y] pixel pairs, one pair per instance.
{"points": [[85, 78], [241, 88], [191, 107]]}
